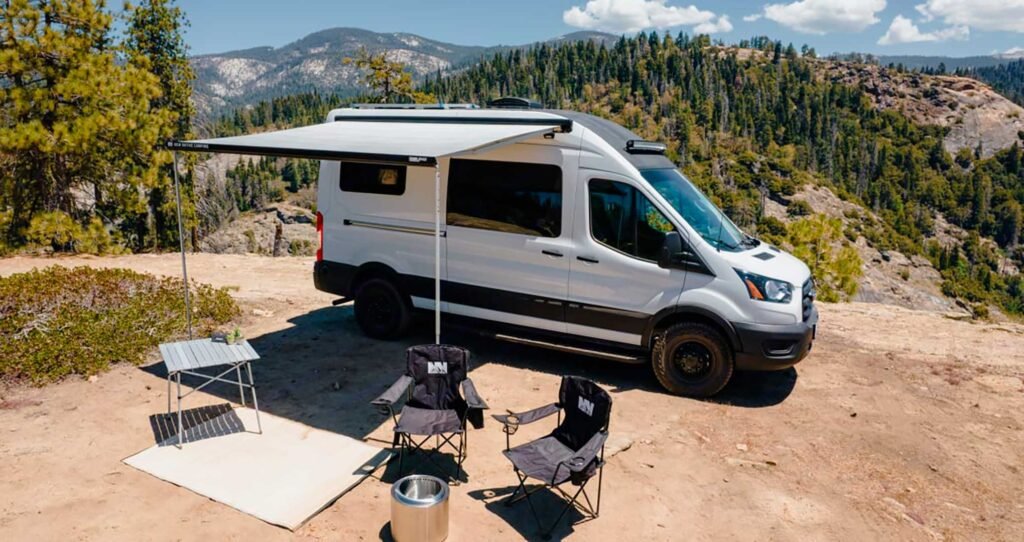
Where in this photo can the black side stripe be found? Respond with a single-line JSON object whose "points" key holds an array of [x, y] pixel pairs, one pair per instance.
{"points": [[521, 304]]}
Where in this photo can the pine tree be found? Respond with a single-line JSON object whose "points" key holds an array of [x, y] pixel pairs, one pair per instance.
{"points": [[155, 43], [78, 133], [387, 79]]}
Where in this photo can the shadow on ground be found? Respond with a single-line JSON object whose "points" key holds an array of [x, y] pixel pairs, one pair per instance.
{"points": [[323, 372], [548, 505], [197, 424]]}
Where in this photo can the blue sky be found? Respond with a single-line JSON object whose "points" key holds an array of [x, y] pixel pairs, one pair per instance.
{"points": [[928, 27]]}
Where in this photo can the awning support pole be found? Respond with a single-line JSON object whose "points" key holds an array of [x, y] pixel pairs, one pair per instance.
{"points": [[181, 240], [437, 254]]}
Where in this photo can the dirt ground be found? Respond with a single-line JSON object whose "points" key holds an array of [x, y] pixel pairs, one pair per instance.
{"points": [[900, 425]]}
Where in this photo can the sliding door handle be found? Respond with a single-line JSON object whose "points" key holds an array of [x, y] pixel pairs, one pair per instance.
{"points": [[554, 253], [586, 259]]}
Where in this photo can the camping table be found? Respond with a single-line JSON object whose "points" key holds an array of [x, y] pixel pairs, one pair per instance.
{"points": [[186, 357]]}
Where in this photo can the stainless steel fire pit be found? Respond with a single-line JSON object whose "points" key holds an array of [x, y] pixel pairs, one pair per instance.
{"points": [[419, 509]]}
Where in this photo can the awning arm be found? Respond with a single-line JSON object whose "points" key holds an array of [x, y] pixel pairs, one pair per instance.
{"points": [[181, 241], [437, 254]]}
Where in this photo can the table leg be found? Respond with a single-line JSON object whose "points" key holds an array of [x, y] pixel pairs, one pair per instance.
{"points": [[241, 389], [180, 426], [168, 394], [255, 403]]}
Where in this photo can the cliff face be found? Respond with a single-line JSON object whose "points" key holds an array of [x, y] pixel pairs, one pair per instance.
{"points": [[977, 116]]}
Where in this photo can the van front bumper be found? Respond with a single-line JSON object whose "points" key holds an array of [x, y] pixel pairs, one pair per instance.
{"points": [[772, 348]]}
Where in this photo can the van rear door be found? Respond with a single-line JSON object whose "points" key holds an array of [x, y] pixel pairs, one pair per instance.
{"points": [[507, 242], [615, 284]]}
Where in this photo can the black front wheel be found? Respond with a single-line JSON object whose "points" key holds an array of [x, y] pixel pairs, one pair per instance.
{"points": [[692, 359], [381, 310]]}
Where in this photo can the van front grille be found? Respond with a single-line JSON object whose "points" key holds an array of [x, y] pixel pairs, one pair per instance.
{"points": [[808, 299]]}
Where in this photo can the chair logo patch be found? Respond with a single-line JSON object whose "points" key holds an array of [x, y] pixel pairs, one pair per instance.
{"points": [[586, 406], [437, 368]]}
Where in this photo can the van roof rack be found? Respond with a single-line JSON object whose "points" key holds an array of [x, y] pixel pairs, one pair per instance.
{"points": [[413, 106], [512, 102]]}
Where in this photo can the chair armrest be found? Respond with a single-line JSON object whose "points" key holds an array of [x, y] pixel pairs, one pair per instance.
{"points": [[394, 393], [473, 398], [588, 453], [530, 416]]}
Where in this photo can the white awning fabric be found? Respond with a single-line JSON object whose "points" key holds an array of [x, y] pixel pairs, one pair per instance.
{"points": [[413, 143]]}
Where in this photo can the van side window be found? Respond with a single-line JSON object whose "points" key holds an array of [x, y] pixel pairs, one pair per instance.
{"points": [[509, 197], [372, 178], [625, 220]]}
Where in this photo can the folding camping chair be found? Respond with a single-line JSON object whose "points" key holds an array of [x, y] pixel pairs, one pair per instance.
{"points": [[435, 406], [573, 452]]}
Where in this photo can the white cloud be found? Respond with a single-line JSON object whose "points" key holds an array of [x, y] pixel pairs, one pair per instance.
{"points": [[634, 15], [1012, 52], [998, 15], [824, 16], [752, 17], [721, 24], [903, 30]]}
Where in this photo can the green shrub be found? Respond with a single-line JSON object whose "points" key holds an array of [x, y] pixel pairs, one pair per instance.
{"points": [[836, 266], [55, 230], [799, 208], [5, 224], [301, 247], [59, 232], [57, 321], [771, 229]]}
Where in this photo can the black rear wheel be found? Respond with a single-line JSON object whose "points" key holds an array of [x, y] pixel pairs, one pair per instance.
{"points": [[692, 359], [381, 310]]}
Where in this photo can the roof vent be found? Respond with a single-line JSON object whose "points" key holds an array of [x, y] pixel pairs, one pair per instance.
{"points": [[638, 146], [511, 102]]}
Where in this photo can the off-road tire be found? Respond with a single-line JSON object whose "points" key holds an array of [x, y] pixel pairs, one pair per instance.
{"points": [[381, 310], [672, 377]]}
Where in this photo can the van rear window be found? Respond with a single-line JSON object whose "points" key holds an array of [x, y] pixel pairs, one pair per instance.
{"points": [[372, 178], [510, 197]]}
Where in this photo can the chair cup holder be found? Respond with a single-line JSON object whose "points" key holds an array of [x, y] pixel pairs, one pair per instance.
{"points": [[511, 424]]}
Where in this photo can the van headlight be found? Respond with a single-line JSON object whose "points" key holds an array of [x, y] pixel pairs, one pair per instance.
{"points": [[763, 288]]}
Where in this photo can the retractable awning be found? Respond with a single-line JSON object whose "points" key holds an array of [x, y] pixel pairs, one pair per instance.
{"points": [[382, 137], [418, 143]]}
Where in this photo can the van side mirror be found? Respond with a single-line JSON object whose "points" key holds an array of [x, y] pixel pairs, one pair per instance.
{"points": [[671, 247]]}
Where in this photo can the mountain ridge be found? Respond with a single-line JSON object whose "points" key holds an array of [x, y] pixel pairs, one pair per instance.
{"points": [[314, 62]]}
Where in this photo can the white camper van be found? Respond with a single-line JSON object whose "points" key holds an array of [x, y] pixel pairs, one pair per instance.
{"points": [[570, 233]]}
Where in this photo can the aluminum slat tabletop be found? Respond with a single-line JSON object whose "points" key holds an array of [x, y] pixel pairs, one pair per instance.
{"points": [[201, 353]]}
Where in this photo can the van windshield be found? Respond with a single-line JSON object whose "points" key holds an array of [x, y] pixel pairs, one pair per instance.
{"points": [[697, 209]]}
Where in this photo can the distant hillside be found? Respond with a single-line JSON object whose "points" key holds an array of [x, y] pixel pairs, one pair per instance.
{"points": [[238, 78], [917, 62]]}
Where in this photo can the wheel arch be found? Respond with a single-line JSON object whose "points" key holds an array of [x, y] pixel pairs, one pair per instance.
{"points": [[374, 270], [675, 315]]}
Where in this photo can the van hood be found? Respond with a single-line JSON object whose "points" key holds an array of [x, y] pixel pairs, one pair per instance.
{"points": [[771, 262]]}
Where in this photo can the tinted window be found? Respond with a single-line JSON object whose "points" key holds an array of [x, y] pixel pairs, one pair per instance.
{"points": [[373, 178], [510, 197], [624, 219]]}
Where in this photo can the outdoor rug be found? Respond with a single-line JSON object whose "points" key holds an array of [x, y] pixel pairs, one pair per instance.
{"points": [[284, 476]]}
